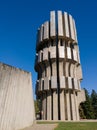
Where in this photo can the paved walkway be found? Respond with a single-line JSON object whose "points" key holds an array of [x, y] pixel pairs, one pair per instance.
{"points": [[42, 127]]}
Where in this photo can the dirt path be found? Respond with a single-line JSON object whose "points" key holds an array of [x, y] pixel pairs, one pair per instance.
{"points": [[41, 127]]}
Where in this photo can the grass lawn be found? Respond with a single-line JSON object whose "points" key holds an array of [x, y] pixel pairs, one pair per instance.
{"points": [[77, 126], [73, 125]]}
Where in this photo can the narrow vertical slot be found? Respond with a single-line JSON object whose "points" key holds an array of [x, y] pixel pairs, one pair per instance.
{"points": [[57, 63], [46, 105], [52, 104], [70, 92]]}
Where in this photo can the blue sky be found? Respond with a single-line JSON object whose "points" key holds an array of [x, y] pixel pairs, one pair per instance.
{"points": [[19, 20]]}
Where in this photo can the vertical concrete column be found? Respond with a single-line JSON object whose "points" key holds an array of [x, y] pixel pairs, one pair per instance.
{"points": [[77, 106], [75, 30], [49, 110], [52, 24], [61, 68], [48, 70], [46, 30], [54, 69], [72, 70], [67, 69], [73, 105], [55, 105], [78, 54], [62, 105], [41, 106], [41, 33], [75, 71], [60, 24], [72, 32], [68, 105], [66, 24], [44, 106]]}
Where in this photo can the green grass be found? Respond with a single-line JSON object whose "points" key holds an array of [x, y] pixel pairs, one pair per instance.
{"points": [[77, 126], [73, 125]]}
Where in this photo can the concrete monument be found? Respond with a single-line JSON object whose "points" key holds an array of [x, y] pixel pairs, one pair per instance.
{"points": [[58, 68]]}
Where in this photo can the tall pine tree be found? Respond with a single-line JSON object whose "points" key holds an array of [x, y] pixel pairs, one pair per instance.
{"points": [[94, 102], [87, 107]]}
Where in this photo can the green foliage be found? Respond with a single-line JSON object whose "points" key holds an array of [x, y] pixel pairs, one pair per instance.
{"points": [[88, 109], [81, 112], [37, 106], [94, 102]]}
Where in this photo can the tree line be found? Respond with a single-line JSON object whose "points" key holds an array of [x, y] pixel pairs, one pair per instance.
{"points": [[88, 109]]}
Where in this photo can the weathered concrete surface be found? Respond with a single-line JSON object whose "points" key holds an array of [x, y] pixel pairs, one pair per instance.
{"points": [[81, 96], [16, 98]]}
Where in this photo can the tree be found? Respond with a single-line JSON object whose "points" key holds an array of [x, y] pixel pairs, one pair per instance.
{"points": [[81, 112], [87, 107], [94, 102], [36, 102]]}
